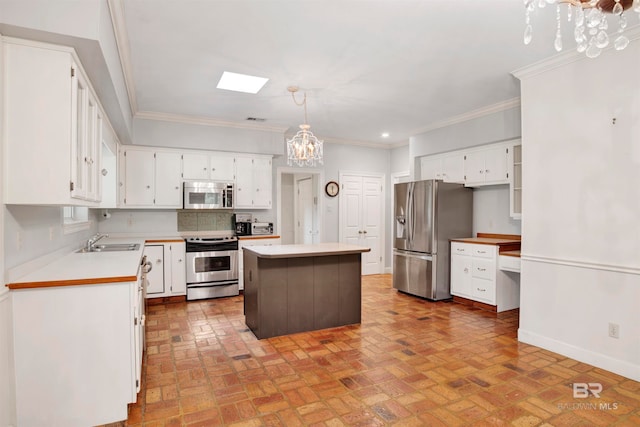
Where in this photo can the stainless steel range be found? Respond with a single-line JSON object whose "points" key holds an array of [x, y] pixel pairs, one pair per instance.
{"points": [[212, 267]]}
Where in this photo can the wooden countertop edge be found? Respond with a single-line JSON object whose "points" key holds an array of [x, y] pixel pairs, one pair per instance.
{"points": [[309, 254], [499, 236], [515, 254], [164, 241], [74, 282], [270, 236]]}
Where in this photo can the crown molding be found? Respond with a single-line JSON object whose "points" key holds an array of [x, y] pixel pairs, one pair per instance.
{"points": [[565, 58], [116, 9], [473, 114], [204, 121], [379, 145]]}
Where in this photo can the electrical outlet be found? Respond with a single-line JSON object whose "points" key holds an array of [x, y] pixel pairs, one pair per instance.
{"points": [[19, 240], [130, 221], [614, 330]]}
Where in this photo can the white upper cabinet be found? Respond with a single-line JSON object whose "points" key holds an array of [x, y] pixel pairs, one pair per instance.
{"points": [[203, 166], [139, 174], [253, 182], [486, 167], [453, 167], [151, 178], [221, 167], [53, 127], [431, 167], [515, 181], [447, 167], [168, 182], [195, 166]]}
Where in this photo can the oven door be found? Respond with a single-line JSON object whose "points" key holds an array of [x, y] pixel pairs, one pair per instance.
{"points": [[212, 266]]}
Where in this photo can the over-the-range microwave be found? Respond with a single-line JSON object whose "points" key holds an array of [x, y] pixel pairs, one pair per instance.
{"points": [[208, 195]]}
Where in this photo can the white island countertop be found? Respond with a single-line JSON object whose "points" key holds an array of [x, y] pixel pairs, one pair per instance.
{"points": [[299, 251], [88, 268]]}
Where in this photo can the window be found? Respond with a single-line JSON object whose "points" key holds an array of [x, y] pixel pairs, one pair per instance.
{"points": [[74, 219]]}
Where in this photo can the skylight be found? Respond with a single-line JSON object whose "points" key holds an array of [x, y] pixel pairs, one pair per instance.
{"points": [[241, 82]]}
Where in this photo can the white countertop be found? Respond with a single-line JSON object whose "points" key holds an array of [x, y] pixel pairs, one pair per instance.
{"points": [[297, 251], [78, 268]]}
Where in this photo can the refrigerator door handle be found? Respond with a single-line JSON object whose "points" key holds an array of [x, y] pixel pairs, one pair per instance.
{"points": [[410, 214], [423, 257]]}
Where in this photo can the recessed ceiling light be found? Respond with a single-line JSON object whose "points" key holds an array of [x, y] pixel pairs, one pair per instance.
{"points": [[241, 82], [385, 134]]}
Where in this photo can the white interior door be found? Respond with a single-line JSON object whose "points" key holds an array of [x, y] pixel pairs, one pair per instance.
{"points": [[305, 210], [351, 209], [372, 224], [362, 217]]}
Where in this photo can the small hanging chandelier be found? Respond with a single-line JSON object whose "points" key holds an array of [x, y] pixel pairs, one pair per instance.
{"points": [[589, 16], [304, 149]]}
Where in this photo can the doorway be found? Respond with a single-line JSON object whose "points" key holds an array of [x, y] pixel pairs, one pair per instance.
{"points": [[299, 218], [361, 217]]}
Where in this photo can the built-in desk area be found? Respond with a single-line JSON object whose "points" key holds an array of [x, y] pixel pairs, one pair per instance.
{"points": [[298, 288]]}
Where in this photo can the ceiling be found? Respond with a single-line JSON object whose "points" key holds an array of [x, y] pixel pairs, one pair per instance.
{"points": [[367, 67]]}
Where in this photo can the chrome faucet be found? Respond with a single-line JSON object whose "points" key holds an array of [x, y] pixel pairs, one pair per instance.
{"points": [[93, 240]]}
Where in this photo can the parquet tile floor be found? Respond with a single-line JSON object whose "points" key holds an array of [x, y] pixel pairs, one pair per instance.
{"points": [[410, 362]]}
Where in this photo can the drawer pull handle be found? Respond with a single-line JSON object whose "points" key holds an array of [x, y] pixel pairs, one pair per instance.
{"points": [[481, 290], [482, 269], [460, 250], [482, 252]]}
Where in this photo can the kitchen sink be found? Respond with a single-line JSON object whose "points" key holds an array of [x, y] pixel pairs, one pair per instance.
{"points": [[112, 247]]}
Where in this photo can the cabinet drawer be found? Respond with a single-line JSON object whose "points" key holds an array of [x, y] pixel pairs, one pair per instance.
{"points": [[484, 251], [509, 263], [483, 269], [458, 248], [484, 290]]}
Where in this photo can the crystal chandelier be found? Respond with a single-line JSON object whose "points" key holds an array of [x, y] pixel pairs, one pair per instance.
{"points": [[590, 22], [304, 149]]}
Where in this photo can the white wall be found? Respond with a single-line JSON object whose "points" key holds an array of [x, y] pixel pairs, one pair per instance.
{"points": [[158, 133], [581, 240], [491, 211], [491, 204], [495, 127], [400, 159], [35, 225], [153, 221]]}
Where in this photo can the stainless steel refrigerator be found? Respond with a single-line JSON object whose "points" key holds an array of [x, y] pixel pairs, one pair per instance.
{"points": [[428, 214]]}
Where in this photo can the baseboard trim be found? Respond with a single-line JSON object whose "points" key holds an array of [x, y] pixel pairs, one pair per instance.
{"points": [[599, 360], [476, 304], [166, 300], [388, 270]]}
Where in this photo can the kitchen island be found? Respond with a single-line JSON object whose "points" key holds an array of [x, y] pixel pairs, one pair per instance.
{"points": [[299, 288]]}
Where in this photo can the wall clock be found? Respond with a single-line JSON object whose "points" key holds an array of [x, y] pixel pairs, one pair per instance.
{"points": [[332, 188]]}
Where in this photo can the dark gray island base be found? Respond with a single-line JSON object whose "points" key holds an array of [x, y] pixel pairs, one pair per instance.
{"points": [[299, 288]]}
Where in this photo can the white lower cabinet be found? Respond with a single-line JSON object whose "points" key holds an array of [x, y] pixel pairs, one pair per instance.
{"points": [[475, 275], [168, 275], [70, 369], [275, 240]]}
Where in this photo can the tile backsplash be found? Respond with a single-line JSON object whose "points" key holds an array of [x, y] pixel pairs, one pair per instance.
{"points": [[204, 221]]}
